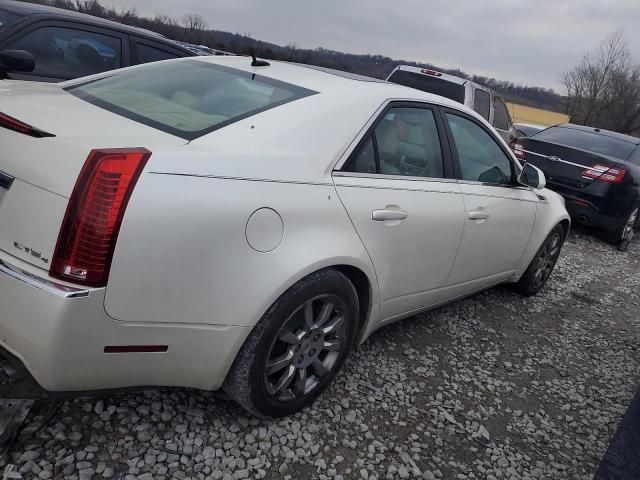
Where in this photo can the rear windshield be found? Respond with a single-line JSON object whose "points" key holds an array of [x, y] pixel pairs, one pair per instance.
{"points": [[590, 141], [7, 18], [187, 98], [429, 84]]}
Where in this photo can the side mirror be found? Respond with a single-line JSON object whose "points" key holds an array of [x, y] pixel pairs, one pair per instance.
{"points": [[17, 61], [531, 176]]}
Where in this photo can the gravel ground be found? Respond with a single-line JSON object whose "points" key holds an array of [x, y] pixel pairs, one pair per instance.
{"points": [[493, 387]]}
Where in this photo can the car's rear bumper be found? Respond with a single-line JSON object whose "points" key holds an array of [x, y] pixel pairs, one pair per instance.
{"points": [[60, 333], [587, 213]]}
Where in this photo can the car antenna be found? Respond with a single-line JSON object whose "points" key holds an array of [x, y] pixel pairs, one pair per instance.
{"points": [[256, 62]]}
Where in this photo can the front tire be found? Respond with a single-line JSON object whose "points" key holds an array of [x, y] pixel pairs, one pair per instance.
{"points": [[542, 265], [297, 347]]}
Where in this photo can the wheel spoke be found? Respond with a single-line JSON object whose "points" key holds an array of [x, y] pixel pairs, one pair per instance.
{"points": [[319, 368], [331, 345], [308, 315], [324, 316], [279, 363], [301, 382], [287, 336], [333, 326], [285, 380]]}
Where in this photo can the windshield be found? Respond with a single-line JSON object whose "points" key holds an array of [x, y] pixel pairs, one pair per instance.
{"points": [[6, 19], [590, 141], [187, 98], [429, 84]]}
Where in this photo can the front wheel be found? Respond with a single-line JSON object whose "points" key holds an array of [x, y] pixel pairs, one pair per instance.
{"points": [[297, 348], [540, 268]]}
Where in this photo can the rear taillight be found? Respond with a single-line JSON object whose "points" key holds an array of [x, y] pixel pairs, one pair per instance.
{"points": [[604, 173], [518, 149], [17, 126], [91, 224]]}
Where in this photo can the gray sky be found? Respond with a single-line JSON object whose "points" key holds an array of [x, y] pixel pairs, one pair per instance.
{"points": [[525, 41]]}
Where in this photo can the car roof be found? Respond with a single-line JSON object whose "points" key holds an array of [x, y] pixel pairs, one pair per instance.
{"points": [[604, 133], [326, 80], [26, 9]]}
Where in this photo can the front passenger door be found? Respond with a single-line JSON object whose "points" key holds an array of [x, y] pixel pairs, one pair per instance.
{"points": [[407, 213], [499, 213]]}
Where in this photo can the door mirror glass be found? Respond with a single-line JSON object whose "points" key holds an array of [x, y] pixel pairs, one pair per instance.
{"points": [[531, 176], [17, 61]]}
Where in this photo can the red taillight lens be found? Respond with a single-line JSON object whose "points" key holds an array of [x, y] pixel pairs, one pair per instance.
{"points": [[17, 126], [518, 149], [604, 173], [90, 227]]}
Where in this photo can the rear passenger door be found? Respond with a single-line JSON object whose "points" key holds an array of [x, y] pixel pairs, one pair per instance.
{"points": [[408, 214], [499, 213], [65, 50]]}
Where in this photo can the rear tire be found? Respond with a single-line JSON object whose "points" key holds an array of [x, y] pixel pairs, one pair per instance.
{"points": [[623, 236], [542, 265], [297, 347]]}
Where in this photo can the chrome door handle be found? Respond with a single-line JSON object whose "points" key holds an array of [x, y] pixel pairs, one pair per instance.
{"points": [[383, 215], [478, 215]]}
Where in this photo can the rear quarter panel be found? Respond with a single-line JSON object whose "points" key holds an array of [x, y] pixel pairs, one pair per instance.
{"points": [[183, 257]]}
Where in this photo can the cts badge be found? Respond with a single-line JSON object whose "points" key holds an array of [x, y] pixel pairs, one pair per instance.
{"points": [[5, 180]]}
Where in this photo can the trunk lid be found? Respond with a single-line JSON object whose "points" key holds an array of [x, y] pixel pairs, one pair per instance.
{"points": [[564, 166], [45, 170]]}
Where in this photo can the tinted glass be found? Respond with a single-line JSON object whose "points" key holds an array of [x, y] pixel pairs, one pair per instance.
{"points": [[407, 144], [147, 54], [7, 18], [67, 53], [481, 103], [500, 115], [591, 141], [187, 98], [430, 84], [479, 156], [365, 160]]}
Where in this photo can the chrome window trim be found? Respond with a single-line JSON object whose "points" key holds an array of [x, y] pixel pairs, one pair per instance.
{"points": [[40, 283], [393, 177]]}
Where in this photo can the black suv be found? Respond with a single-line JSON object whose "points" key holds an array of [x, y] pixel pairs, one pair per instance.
{"points": [[66, 44]]}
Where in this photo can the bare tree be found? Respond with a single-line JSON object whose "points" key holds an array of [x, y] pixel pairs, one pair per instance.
{"points": [[603, 90], [194, 22]]}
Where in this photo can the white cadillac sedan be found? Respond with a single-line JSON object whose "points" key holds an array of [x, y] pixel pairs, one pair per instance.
{"points": [[207, 223]]}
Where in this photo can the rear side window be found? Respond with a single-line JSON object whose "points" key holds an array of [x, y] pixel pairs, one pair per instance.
{"points": [[584, 140], [405, 142], [69, 53], [187, 98], [481, 103], [429, 84], [501, 115], [6, 19], [147, 54]]}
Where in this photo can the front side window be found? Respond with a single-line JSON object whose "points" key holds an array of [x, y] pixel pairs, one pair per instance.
{"points": [[405, 142], [69, 53], [479, 156], [500, 115], [187, 98], [147, 54], [481, 103]]}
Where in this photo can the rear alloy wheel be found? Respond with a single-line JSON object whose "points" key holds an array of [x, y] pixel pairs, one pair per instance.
{"points": [[625, 235], [297, 348], [542, 265]]}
